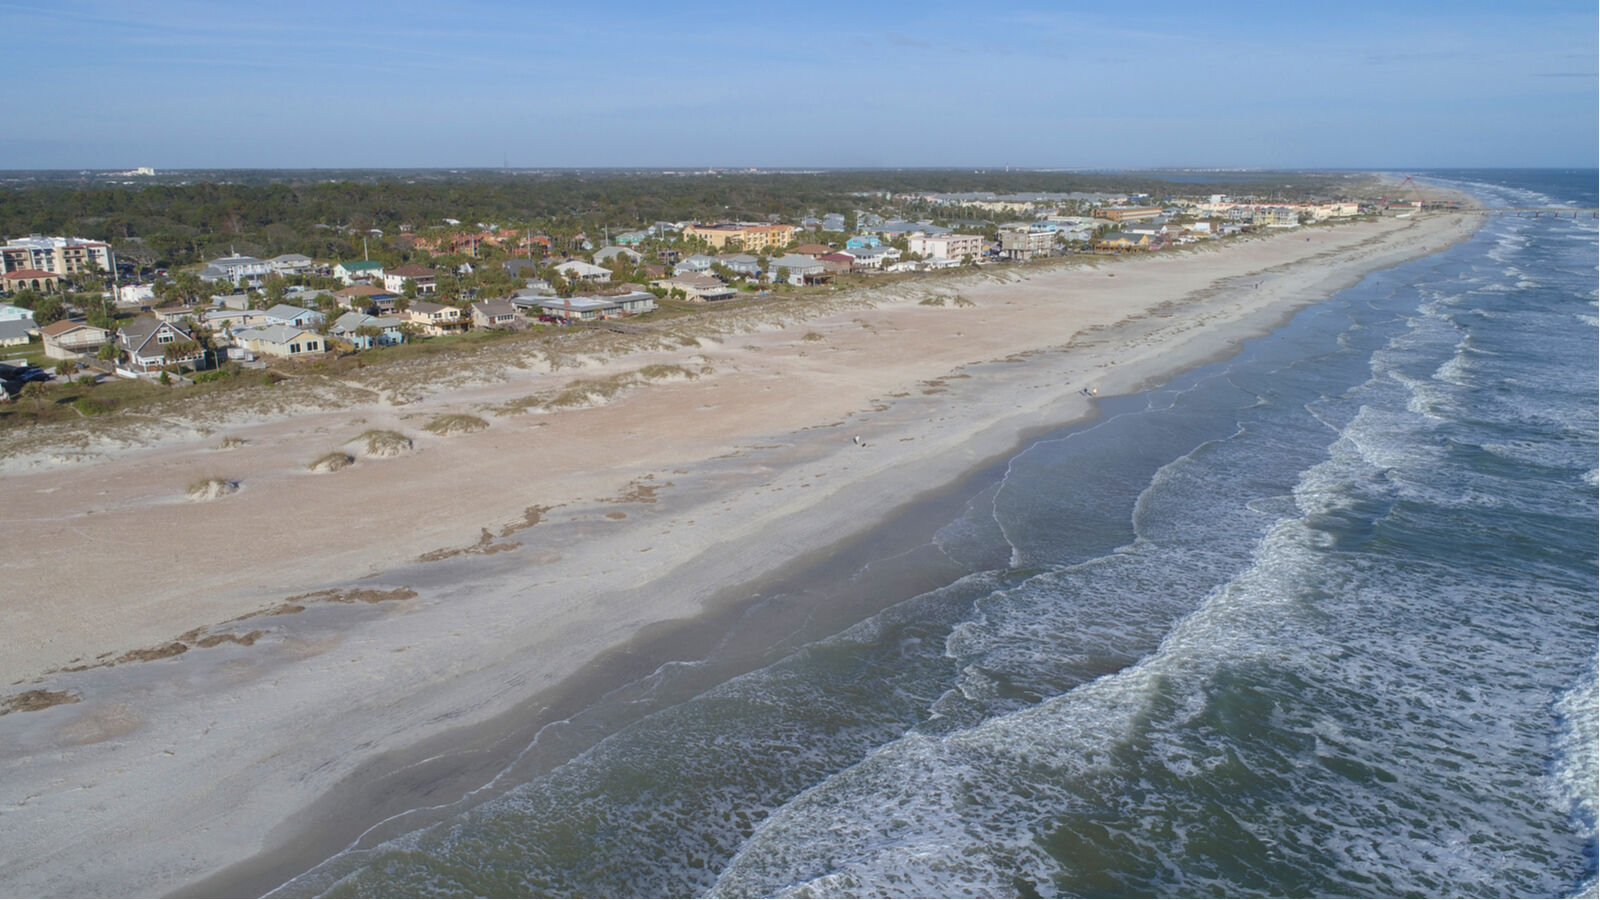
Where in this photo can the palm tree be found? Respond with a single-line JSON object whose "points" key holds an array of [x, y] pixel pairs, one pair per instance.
{"points": [[36, 390]]}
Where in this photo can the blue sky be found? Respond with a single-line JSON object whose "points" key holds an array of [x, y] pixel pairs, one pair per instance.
{"points": [[178, 84]]}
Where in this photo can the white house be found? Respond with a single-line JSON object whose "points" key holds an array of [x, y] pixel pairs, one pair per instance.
{"points": [[426, 279], [577, 269], [136, 295], [236, 269], [946, 246], [694, 265], [365, 269], [9, 313], [874, 257]]}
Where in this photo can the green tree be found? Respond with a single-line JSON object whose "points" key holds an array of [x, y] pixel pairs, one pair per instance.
{"points": [[179, 349], [35, 390], [100, 317], [49, 309]]}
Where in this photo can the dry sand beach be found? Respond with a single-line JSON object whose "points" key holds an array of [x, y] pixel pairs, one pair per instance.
{"points": [[211, 688]]}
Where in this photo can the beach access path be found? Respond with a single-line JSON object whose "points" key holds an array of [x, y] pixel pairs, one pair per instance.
{"points": [[197, 676]]}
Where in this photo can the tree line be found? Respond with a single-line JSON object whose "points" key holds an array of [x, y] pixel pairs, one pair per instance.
{"points": [[180, 224]]}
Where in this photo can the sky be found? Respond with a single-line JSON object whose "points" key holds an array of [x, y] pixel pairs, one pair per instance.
{"points": [[484, 83]]}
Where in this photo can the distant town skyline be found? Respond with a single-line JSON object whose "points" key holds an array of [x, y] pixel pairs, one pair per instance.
{"points": [[482, 83]]}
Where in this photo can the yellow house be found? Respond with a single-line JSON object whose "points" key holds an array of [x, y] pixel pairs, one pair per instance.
{"points": [[1122, 241]]}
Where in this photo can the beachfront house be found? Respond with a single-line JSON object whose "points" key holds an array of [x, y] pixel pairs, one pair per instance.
{"points": [[872, 257], [293, 316], [577, 309], [490, 314], [633, 303], [226, 321], [283, 341], [69, 340], [695, 287], [364, 332], [151, 344], [1122, 242], [435, 319], [796, 269]]}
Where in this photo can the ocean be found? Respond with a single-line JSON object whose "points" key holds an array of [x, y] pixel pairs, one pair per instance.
{"points": [[1318, 619]]}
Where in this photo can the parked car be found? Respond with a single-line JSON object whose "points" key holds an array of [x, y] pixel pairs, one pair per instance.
{"points": [[23, 374]]}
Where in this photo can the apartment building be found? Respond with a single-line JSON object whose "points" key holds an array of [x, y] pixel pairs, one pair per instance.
{"points": [[946, 246], [56, 255], [750, 237]]}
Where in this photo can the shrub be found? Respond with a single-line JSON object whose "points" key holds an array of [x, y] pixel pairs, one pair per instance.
{"points": [[212, 488], [332, 462], [381, 442], [90, 406], [455, 423]]}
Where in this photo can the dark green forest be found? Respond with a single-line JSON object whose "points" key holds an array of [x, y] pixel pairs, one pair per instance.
{"points": [[269, 213]]}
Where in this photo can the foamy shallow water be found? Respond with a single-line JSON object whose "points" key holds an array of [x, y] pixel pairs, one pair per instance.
{"points": [[1316, 620]]}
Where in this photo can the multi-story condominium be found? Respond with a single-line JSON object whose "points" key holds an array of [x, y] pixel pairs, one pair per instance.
{"points": [[750, 237], [238, 270], [1023, 242], [57, 255], [1127, 213], [946, 246]]}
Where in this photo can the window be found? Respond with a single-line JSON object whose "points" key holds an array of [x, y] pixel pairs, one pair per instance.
{"points": [[294, 348], [166, 337]]}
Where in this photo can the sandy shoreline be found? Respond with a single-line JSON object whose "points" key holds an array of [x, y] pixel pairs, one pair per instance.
{"points": [[564, 534]]}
